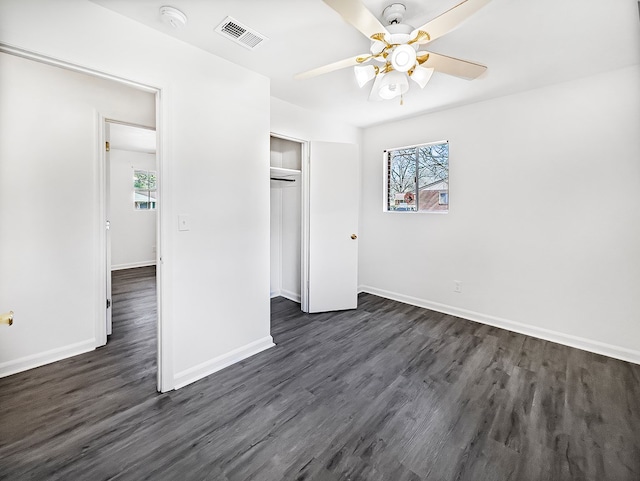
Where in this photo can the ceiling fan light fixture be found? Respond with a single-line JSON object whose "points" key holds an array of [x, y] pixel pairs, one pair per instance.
{"points": [[377, 47], [394, 55], [403, 58], [393, 85], [421, 75], [364, 74]]}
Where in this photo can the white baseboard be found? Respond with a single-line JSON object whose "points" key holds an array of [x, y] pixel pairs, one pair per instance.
{"points": [[582, 343], [132, 265], [292, 296], [40, 359], [217, 363]]}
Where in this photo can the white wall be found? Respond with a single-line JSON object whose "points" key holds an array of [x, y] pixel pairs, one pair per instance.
{"points": [[540, 239], [49, 194], [299, 123], [133, 232], [215, 277], [275, 234]]}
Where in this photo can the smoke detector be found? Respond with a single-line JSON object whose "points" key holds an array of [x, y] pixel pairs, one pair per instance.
{"points": [[173, 17]]}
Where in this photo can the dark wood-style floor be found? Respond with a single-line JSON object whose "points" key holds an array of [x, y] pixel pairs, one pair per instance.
{"points": [[385, 392]]}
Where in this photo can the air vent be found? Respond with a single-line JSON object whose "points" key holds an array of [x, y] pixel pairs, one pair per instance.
{"points": [[241, 34]]}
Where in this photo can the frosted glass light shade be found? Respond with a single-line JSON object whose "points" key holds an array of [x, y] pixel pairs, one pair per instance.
{"points": [[393, 85], [403, 58], [421, 75], [364, 73], [377, 47]]}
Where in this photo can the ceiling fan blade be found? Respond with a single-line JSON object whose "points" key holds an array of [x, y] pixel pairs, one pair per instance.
{"points": [[354, 12], [340, 64], [453, 66], [449, 19]]}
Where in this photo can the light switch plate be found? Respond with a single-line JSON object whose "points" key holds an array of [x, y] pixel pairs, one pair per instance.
{"points": [[183, 222]]}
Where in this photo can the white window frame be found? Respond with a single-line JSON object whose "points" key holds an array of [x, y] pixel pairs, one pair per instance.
{"points": [[385, 181], [145, 191]]}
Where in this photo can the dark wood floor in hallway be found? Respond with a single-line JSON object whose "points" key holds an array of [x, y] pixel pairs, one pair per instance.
{"points": [[385, 392]]}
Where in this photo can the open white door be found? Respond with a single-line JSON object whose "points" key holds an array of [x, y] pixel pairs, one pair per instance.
{"points": [[107, 207], [333, 227]]}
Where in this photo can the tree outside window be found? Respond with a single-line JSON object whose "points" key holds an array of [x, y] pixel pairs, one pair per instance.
{"points": [[418, 178], [144, 190]]}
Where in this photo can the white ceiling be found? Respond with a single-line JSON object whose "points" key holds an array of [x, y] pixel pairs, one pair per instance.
{"points": [[525, 44]]}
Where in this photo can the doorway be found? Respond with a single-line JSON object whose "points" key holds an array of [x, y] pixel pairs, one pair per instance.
{"points": [[286, 179], [52, 246], [131, 187], [314, 220]]}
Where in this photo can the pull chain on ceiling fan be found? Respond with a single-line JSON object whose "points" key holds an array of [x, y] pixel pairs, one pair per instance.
{"points": [[396, 53]]}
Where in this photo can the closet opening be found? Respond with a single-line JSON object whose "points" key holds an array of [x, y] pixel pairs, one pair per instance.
{"points": [[288, 270]]}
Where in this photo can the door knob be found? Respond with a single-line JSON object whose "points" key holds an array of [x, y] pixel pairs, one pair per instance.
{"points": [[354, 237], [6, 318]]}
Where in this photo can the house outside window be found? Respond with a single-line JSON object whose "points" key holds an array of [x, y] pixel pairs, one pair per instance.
{"points": [[144, 190], [417, 178]]}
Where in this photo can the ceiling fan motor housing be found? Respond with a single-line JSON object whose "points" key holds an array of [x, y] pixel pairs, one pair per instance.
{"points": [[401, 56], [394, 13], [399, 33]]}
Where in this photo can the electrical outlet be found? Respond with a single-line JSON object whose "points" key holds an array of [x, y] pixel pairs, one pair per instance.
{"points": [[457, 286]]}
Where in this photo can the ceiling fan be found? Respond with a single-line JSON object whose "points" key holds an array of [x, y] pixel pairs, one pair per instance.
{"points": [[397, 53]]}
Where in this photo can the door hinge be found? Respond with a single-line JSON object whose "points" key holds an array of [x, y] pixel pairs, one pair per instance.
{"points": [[108, 303], [106, 146]]}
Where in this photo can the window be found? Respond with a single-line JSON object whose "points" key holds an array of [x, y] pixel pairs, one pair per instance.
{"points": [[417, 178], [144, 189]]}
